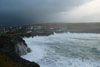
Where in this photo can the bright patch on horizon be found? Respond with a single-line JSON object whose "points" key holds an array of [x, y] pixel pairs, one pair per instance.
{"points": [[88, 12]]}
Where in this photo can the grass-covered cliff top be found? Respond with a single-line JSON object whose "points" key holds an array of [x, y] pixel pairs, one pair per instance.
{"points": [[6, 61]]}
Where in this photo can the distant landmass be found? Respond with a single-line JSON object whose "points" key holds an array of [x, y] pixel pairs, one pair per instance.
{"points": [[50, 28]]}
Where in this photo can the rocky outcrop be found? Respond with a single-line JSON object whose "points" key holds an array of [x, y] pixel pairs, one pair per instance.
{"points": [[13, 48], [21, 47]]}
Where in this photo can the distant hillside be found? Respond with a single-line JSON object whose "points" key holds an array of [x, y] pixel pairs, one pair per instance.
{"points": [[50, 28], [75, 27]]}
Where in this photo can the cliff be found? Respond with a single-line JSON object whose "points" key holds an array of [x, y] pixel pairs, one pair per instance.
{"points": [[11, 48]]}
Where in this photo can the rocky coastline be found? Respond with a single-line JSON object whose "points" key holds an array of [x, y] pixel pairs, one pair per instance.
{"points": [[11, 48]]}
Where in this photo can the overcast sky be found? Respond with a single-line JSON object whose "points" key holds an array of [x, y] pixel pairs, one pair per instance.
{"points": [[14, 12]]}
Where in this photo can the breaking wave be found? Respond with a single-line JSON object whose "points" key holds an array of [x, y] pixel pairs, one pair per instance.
{"points": [[65, 50]]}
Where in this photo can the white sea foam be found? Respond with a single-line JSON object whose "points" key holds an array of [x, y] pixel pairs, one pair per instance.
{"points": [[65, 50]]}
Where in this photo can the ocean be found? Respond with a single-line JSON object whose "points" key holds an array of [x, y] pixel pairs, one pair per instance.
{"points": [[65, 50]]}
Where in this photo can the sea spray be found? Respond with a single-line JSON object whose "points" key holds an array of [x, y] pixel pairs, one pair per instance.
{"points": [[65, 50]]}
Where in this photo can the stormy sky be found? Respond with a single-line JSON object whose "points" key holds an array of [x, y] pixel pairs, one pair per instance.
{"points": [[15, 12]]}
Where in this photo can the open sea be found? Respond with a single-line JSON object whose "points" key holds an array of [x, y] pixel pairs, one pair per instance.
{"points": [[65, 50]]}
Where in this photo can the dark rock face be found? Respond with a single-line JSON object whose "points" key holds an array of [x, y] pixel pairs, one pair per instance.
{"points": [[21, 47], [14, 47]]}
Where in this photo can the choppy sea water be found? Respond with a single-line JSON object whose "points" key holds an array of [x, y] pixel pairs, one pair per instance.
{"points": [[65, 50]]}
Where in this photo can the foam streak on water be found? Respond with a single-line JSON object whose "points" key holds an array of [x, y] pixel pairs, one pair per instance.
{"points": [[65, 50]]}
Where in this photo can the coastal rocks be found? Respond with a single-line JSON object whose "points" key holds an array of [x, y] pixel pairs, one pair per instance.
{"points": [[13, 48], [21, 47], [13, 45]]}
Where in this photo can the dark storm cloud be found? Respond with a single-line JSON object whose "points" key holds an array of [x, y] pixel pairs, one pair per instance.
{"points": [[14, 12]]}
